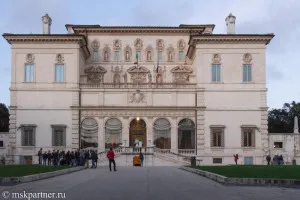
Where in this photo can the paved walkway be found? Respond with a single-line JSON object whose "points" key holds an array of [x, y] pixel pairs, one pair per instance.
{"points": [[141, 183]]}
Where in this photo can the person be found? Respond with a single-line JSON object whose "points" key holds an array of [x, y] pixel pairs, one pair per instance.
{"points": [[87, 158], [268, 159], [111, 158], [40, 155], [45, 157], [236, 157], [94, 159], [141, 159]]}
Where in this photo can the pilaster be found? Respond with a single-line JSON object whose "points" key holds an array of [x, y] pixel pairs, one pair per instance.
{"points": [[174, 134], [200, 123], [264, 133]]}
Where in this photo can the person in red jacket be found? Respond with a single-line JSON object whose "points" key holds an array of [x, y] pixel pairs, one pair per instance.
{"points": [[236, 157], [111, 158]]}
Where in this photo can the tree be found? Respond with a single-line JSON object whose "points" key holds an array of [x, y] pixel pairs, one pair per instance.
{"points": [[4, 118], [282, 120]]}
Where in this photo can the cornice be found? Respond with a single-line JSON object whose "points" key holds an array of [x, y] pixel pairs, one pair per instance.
{"points": [[49, 39], [183, 28], [231, 38]]}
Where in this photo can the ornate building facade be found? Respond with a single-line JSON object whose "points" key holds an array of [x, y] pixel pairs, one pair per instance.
{"points": [[182, 89]]}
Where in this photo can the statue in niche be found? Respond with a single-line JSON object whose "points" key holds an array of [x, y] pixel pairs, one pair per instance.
{"points": [[117, 44], [127, 56], [149, 78], [159, 74], [117, 74], [125, 78], [149, 55], [170, 57], [181, 45], [106, 55], [138, 43]]}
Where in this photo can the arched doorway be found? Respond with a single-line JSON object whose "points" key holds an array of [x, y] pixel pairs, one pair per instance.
{"points": [[113, 133], [186, 134], [162, 133], [89, 133], [137, 133]]}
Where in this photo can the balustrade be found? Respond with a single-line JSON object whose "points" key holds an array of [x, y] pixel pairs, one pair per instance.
{"points": [[135, 85]]}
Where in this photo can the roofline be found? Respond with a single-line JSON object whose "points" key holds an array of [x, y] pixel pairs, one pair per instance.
{"points": [[182, 28], [49, 38]]}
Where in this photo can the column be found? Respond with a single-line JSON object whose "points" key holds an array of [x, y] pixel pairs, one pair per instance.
{"points": [[125, 131], [150, 135], [101, 133], [200, 123], [174, 135]]}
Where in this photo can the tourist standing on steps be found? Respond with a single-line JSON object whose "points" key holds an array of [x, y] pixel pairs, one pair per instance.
{"points": [[141, 159], [111, 158]]}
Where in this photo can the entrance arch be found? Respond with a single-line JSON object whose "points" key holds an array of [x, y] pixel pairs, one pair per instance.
{"points": [[138, 133], [89, 133], [186, 134]]}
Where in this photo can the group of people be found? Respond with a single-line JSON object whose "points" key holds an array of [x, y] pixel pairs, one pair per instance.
{"points": [[277, 160], [77, 158], [69, 158]]}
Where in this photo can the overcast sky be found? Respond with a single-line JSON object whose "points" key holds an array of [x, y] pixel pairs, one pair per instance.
{"points": [[256, 16]]}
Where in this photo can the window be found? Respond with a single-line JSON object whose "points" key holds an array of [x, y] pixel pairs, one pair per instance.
{"points": [[138, 55], [28, 135], [217, 136], [247, 77], [59, 73], [248, 137], [117, 56], [160, 55], [58, 135], [29, 73], [217, 160], [1, 143], [278, 145], [181, 56], [95, 56], [216, 74]]}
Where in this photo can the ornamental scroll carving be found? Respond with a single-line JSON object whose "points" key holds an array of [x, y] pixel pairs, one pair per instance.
{"points": [[30, 58], [95, 73], [138, 74], [247, 58], [181, 74], [137, 97]]}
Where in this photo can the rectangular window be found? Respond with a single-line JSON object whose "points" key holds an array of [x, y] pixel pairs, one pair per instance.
{"points": [[216, 73], [160, 55], [181, 55], [95, 56], [58, 135], [59, 73], [29, 73], [217, 160], [28, 136], [248, 137], [278, 145], [117, 56], [247, 74], [1, 143], [138, 55], [217, 137]]}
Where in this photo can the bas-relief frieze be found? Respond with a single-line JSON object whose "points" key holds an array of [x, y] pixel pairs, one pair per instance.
{"points": [[127, 113]]}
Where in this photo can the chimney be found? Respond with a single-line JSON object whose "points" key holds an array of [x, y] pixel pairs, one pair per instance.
{"points": [[230, 23], [47, 21]]}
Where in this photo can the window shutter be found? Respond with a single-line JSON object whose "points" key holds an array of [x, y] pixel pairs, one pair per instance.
{"points": [[218, 71], [214, 78], [249, 73], [253, 138], [32, 137]]}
